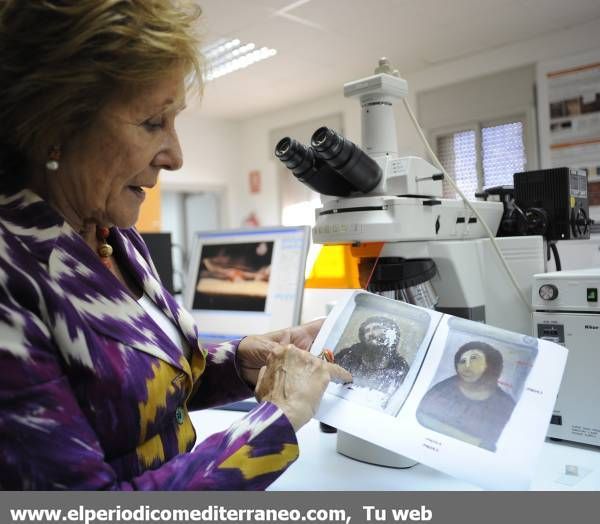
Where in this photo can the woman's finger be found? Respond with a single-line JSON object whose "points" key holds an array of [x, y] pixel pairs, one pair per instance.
{"points": [[261, 374], [338, 374]]}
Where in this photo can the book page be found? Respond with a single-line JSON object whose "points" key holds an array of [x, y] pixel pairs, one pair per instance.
{"points": [[475, 401], [382, 342]]}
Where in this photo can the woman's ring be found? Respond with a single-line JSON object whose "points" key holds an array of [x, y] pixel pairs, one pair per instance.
{"points": [[327, 355]]}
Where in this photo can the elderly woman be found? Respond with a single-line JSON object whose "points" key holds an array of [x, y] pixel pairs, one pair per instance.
{"points": [[99, 363], [470, 406]]}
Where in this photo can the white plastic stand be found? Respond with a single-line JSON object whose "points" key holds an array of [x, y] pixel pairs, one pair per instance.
{"points": [[364, 451]]}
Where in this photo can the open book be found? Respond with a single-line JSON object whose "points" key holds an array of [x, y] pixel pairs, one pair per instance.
{"points": [[468, 399]]}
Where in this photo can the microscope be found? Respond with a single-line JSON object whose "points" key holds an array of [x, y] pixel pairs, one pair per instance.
{"points": [[436, 252]]}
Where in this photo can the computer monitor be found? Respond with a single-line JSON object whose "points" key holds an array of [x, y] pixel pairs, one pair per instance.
{"points": [[246, 281]]}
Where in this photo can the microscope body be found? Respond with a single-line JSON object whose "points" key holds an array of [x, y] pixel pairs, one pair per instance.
{"points": [[435, 253], [406, 204]]}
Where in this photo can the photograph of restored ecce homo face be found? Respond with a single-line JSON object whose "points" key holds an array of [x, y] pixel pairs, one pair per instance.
{"points": [[476, 387], [378, 345], [234, 277]]}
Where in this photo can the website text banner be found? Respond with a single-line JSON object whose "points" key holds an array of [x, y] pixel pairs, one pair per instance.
{"points": [[306, 507]]}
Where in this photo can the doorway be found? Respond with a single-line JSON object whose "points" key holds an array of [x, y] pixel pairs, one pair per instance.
{"points": [[183, 213]]}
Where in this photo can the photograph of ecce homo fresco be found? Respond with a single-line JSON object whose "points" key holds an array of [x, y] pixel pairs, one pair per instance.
{"points": [[378, 345], [477, 384]]}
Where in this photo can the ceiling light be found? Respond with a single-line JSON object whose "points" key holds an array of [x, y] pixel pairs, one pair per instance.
{"points": [[226, 56]]}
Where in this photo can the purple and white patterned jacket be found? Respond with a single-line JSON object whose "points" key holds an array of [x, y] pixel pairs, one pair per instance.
{"points": [[93, 394]]}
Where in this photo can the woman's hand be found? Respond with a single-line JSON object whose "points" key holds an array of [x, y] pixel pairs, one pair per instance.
{"points": [[254, 350], [294, 380]]}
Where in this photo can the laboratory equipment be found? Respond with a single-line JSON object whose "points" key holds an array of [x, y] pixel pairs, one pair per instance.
{"points": [[436, 252], [567, 311]]}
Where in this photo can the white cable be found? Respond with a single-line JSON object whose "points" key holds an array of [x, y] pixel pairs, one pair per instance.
{"points": [[451, 181]]}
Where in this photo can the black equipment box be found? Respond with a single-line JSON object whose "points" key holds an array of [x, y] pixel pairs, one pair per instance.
{"points": [[562, 194]]}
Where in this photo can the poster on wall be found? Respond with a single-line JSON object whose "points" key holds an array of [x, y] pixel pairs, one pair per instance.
{"points": [[569, 112]]}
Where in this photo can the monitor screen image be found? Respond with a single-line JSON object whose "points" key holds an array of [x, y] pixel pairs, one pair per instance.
{"points": [[234, 277], [246, 281]]}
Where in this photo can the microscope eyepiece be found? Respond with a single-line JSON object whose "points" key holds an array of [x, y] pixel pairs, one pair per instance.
{"points": [[296, 157], [347, 159], [282, 147], [332, 165], [330, 146], [309, 170], [320, 136]]}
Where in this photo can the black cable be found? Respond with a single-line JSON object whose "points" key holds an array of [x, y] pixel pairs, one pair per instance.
{"points": [[552, 246]]}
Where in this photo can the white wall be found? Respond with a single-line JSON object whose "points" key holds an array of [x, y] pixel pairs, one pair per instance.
{"points": [[211, 159], [478, 99], [557, 44]]}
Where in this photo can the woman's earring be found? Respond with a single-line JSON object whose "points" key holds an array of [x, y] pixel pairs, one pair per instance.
{"points": [[53, 158]]}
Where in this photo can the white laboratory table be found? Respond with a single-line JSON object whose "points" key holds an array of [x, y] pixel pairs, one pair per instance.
{"points": [[321, 468]]}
